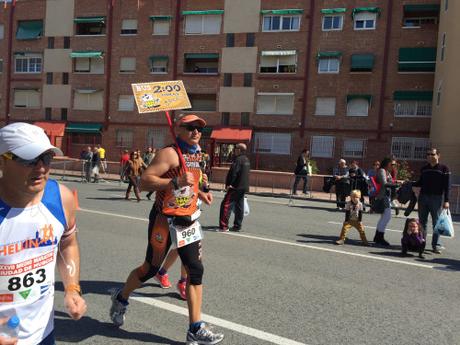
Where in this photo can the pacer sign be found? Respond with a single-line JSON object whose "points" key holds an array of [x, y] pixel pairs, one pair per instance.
{"points": [[160, 96]]}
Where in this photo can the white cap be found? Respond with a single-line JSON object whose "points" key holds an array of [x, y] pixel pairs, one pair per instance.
{"points": [[25, 141]]}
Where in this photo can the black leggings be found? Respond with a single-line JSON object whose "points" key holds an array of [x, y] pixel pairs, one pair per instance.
{"points": [[159, 242]]}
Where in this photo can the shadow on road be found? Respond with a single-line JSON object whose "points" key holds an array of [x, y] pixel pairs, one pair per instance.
{"points": [[313, 238], [72, 331], [321, 208], [450, 264]]}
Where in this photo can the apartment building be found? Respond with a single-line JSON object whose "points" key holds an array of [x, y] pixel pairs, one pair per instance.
{"points": [[342, 78]]}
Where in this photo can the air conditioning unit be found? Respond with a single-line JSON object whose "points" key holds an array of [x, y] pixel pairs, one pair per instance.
{"points": [[279, 46], [276, 86]]}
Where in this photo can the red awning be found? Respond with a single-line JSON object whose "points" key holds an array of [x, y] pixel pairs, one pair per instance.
{"points": [[231, 134], [55, 129]]}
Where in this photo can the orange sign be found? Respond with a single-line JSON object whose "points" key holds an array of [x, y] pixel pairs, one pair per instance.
{"points": [[160, 96]]}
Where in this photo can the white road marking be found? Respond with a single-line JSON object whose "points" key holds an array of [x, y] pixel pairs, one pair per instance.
{"points": [[252, 332], [259, 238], [393, 230]]}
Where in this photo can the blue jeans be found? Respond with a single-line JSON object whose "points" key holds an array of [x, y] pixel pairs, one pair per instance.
{"points": [[49, 340], [429, 204]]}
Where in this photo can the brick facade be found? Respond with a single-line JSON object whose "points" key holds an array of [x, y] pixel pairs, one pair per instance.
{"points": [[376, 132]]}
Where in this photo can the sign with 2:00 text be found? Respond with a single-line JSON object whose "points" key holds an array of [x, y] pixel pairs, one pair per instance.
{"points": [[160, 96]]}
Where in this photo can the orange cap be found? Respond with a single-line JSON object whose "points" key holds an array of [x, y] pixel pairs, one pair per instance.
{"points": [[190, 118]]}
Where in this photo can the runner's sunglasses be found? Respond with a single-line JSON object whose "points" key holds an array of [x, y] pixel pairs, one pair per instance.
{"points": [[191, 128], [46, 158]]}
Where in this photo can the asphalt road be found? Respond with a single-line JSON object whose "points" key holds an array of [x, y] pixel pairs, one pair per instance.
{"points": [[281, 281]]}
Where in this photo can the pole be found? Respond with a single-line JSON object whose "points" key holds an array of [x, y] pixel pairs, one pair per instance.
{"points": [[173, 134]]}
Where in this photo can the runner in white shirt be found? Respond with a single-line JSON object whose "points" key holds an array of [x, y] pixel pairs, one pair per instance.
{"points": [[37, 230]]}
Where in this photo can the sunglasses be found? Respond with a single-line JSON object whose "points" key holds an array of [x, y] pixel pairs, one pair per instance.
{"points": [[46, 158], [191, 128], [431, 154]]}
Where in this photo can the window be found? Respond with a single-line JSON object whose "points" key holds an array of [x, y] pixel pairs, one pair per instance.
{"points": [[203, 102], [362, 62], [332, 23], [413, 108], [446, 5], [410, 148], [201, 63], [443, 46], [418, 22], [2, 31], [126, 103], [29, 30], [281, 23], [247, 80], [88, 99], [156, 138], [250, 39], [325, 106], [90, 26], [225, 119], [227, 79], [129, 27], [203, 24], [26, 98], [86, 138], [278, 61], [357, 106], [230, 40], [64, 114], [50, 42], [365, 21], [329, 65], [322, 146], [66, 42], [28, 63], [244, 119], [124, 138], [159, 64], [65, 78], [49, 78], [275, 103], [89, 65], [47, 114], [354, 148], [127, 65], [161, 27], [1, 65], [272, 143]]}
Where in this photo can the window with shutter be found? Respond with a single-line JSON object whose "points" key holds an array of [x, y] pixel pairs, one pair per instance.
{"points": [[272, 143], [410, 148], [126, 103], [2, 31], [358, 107], [325, 106], [161, 27], [193, 25], [322, 146], [124, 138], [127, 64], [82, 65], [156, 138], [129, 27], [275, 103], [26, 98], [353, 148]]}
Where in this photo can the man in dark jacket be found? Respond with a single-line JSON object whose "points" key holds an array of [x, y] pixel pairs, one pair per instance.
{"points": [[434, 194], [236, 184]]}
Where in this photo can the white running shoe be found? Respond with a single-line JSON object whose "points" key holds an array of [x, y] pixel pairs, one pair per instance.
{"points": [[204, 336], [117, 310]]}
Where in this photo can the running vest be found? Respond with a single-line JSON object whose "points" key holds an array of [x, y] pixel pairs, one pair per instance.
{"points": [[183, 201], [29, 240]]}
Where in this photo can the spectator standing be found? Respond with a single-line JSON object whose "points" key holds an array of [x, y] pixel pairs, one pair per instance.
{"points": [[342, 183], [134, 174], [372, 172], [394, 194], [148, 156], [236, 184], [124, 159], [103, 157], [358, 181], [383, 197], [301, 171], [86, 157], [434, 194], [95, 163]]}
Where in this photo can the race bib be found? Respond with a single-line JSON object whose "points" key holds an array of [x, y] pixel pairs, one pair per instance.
{"points": [[182, 236], [26, 281]]}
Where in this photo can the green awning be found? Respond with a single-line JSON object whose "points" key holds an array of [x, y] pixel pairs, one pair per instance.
{"points": [[422, 8], [74, 127], [417, 59], [413, 95], [89, 20], [324, 55], [201, 56], [359, 96], [191, 13], [158, 57], [160, 17], [285, 11], [29, 29], [362, 62], [85, 54], [333, 10], [365, 9]]}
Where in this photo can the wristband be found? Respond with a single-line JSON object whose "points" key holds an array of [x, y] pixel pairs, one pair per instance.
{"points": [[73, 288], [174, 182]]}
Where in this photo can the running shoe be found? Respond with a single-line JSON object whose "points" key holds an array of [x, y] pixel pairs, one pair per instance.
{"points": [[204, 336], [182, 288], [117, 310], [222, 229], [163, 280]]}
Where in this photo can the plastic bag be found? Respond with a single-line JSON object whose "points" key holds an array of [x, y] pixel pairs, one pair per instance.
{"points": [[444, 225], [246, 207]]}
